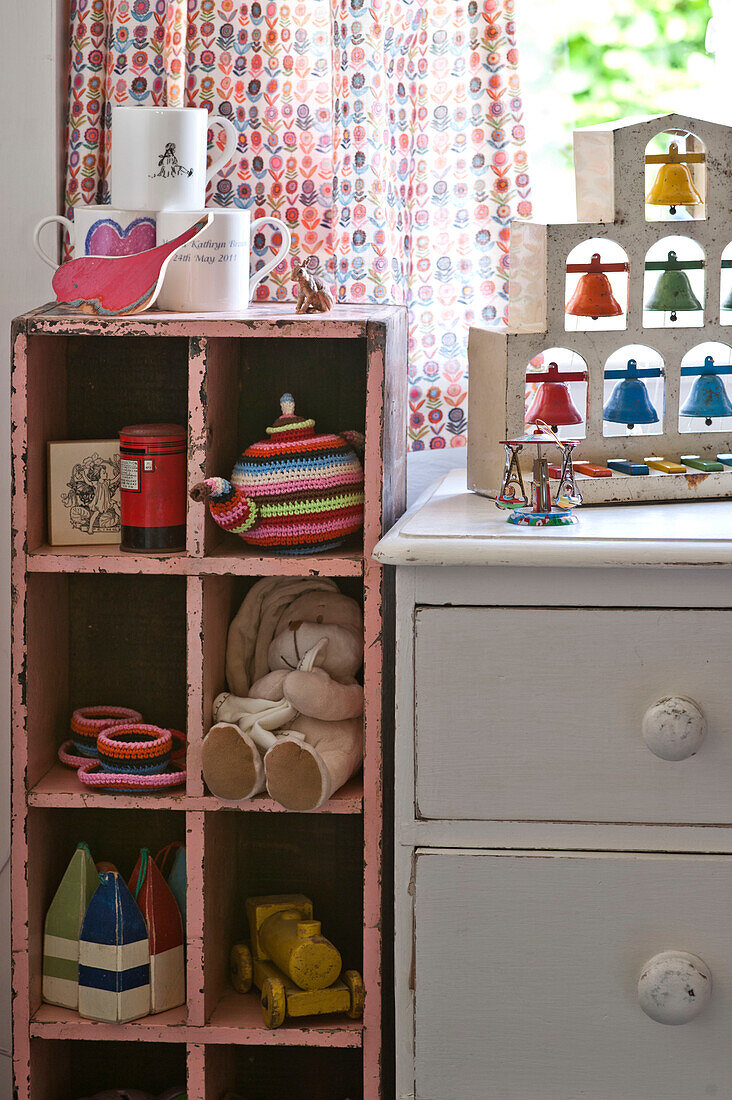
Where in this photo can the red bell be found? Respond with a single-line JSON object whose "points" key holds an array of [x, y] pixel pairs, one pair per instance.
{"points": [[594, 296], [552, 402]]}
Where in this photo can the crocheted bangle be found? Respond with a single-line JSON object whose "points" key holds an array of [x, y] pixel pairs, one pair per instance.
{"points": [[92, 776], [88, 722], [68, 757], [72, 760], [134, 748]]}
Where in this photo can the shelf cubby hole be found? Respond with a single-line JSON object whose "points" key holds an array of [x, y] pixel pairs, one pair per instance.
{"points": [[244, 383], [102, 639], [269, 1073], [113, 836], [88, 387], [247, 855], [222, 598], [70, 1069]]}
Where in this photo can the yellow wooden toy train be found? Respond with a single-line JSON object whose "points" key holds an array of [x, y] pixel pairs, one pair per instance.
{"points": [[296, 969]]}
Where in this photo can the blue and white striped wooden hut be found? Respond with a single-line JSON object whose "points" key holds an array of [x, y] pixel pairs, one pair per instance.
{"points": [[114, 955]]}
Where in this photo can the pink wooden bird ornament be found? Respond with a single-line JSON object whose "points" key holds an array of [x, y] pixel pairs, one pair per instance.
{"points": [[116, 285]]}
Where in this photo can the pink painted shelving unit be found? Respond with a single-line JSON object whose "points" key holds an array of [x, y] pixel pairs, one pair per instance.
{"points": [[150, 632]]}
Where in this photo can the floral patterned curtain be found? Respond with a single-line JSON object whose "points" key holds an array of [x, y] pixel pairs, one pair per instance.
{"points": [[388, 134]]}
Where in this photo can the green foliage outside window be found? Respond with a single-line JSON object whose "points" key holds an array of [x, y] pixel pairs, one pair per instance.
{"points": [[642, 58]]}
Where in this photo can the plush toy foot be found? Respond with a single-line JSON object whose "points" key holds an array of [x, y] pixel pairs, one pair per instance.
{"points": [[232, 763], [296, 775]]}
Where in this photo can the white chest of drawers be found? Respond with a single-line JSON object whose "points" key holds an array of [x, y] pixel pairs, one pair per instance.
{"points": [[547, 847]]}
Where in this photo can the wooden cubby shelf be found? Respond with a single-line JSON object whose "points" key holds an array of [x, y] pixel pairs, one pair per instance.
{"points": [[109, 559], [50, 1022], [96, 625], [60, 789], [238, 1019]]}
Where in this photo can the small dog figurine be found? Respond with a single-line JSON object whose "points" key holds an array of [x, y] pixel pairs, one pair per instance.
{"points": [[312, 296]]}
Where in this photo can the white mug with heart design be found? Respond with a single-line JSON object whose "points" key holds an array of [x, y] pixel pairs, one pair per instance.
{"points": [[101, 231], [158, 156]]}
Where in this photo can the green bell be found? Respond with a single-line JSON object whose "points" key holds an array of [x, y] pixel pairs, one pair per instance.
{"points": [[673, 293], [727, 303]]}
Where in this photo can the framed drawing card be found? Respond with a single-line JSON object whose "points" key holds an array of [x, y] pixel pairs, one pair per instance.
{"points": [[83, 492]]}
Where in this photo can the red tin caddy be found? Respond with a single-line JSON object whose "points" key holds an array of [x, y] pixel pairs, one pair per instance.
{"points": [[153, 487]]}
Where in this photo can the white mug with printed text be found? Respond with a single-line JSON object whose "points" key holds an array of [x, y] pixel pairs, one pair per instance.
{"points": [[158, 156], [211, 273], [101, 231]]}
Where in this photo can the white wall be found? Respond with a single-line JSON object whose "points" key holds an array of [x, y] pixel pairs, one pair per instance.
{"points": [[32, 79]]}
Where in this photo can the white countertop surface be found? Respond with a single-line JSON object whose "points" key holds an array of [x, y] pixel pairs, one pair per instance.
{"points": [[451, 526]]}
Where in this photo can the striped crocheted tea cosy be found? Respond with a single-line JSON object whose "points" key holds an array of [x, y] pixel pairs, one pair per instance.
{"points": [[295, 492]]}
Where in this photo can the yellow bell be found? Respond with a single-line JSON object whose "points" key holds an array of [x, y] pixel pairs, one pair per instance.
{"points": [[673, 185]]}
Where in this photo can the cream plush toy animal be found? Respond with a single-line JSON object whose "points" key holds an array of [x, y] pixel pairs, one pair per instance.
{"points": [[293, 721]]}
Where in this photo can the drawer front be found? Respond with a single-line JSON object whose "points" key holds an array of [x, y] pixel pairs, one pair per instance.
{"points": [[527, 967], [537, 714]]}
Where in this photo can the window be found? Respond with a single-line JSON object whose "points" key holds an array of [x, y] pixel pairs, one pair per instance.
{"points": [[609, 61]]}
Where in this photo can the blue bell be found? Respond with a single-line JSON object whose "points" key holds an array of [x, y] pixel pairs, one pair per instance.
{"points": [[708, 396], [629, 402]]}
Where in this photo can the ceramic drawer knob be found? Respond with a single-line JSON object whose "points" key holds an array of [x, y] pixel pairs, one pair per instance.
{"points": [[674, 728], [674, 987]]}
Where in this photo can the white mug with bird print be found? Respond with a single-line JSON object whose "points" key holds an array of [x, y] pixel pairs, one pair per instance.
{"points": [[158, 156]]}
